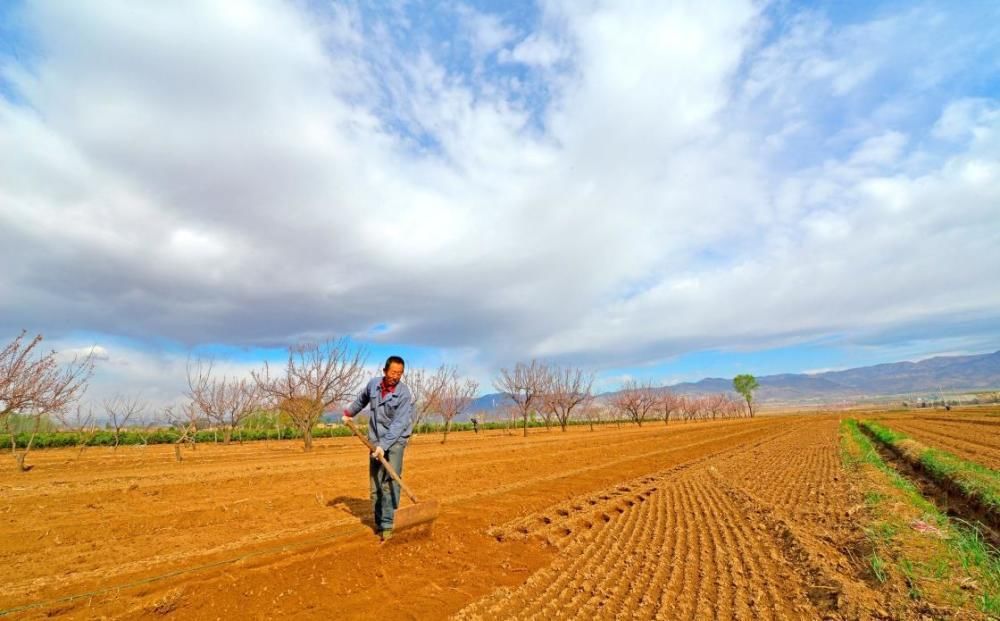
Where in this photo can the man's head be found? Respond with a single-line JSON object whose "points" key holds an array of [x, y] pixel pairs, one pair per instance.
{"points": [[393, 370]]}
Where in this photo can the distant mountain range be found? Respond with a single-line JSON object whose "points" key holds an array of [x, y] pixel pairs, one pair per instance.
{"points": [[931, 377]]}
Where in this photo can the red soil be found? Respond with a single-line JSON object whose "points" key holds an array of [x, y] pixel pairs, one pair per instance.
{"points": [[737, 519]]}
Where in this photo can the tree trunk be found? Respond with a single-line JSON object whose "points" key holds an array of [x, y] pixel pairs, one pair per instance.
{"points": [[525, 424], [27, 448], [21, 457], [307, 437], [447, 428], [227, 435]]}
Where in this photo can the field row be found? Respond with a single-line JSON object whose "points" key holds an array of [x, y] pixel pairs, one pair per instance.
{"points": [[699, 542], [79, 523], [975, 440], [748, 519]]}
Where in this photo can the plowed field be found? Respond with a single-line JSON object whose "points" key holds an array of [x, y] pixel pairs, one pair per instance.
{"points": [[975, 439], [739, 519]]}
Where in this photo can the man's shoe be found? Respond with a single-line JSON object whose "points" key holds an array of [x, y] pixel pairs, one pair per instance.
{"points": [[386, 535]]}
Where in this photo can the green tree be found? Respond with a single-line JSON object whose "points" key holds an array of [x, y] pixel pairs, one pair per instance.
{"points": [[745, 384]]}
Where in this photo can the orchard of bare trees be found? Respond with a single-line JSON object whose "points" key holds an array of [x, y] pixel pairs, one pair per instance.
{"points": [[565, 395], [39, 390]]}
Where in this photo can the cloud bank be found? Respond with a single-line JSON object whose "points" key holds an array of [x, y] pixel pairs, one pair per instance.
{"points": [[612, 183]]}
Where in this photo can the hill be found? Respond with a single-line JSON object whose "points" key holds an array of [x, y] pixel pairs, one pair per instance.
{"points": [[928, 378]]}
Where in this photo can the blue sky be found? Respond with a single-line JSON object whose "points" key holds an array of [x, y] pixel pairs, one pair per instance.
{"points": [[664, 191]]}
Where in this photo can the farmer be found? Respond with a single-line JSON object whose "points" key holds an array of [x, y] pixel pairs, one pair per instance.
{"points": [[391, 424]]}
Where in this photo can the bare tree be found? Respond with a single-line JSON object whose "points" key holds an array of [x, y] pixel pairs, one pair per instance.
{"points": [[146, 424], [545, 403], [456, 396], [635, 400], [225, 401], [82, 423], [715, 404], [35, 384], [510, 413], [120, 410], [568, 389], [688, 406], [733, 407], [591, 412], [523, 386], [186, 422], [426, 390], [316, 377], [667, 403]]}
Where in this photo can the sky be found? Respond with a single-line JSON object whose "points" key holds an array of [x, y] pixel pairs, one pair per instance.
{"points": [[654, 190]]}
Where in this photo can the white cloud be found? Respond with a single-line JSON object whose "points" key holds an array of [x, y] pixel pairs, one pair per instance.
{"points": [[538, 50], [880, 150], [95, 353], [649, 178], [488, 32]]}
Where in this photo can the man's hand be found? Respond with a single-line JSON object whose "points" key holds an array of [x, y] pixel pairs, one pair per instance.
{"points": [[345, 419], [378, 453]]}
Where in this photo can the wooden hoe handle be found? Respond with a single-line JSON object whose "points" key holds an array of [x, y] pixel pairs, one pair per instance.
{"points": [[385, 463]]}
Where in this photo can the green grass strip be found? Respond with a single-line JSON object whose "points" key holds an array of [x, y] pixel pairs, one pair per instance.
{"points": [[883, 433], [871, 456], [975, 554], [975, 480]]}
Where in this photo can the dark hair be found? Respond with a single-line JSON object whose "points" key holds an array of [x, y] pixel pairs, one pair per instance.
{"points": [[392, 359]]}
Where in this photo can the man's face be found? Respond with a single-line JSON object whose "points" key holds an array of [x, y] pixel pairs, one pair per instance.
{"points": [[393, 374]]}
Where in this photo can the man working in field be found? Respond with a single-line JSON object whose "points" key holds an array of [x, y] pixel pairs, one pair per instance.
{"points": [[391, 424]]}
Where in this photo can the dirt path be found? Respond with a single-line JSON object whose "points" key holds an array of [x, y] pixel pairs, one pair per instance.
{"points": [[742, 513]]}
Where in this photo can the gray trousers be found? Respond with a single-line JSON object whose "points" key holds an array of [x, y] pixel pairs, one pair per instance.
{"points": [[385, 491]]}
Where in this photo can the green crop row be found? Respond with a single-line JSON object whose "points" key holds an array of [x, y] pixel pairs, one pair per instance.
{"points": [[979, 483], [160, 436], [104, 437], [966, 543]]}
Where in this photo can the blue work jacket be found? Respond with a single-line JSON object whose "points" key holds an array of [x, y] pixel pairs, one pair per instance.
{"points": [[391, 418]]}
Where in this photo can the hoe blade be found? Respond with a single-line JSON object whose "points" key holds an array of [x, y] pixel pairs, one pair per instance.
{"points": [[423, 512]]}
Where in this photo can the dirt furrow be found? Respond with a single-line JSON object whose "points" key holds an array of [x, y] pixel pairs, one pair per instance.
{"points": [[768, 597], [735, 520], [670, 554], [736, 573], [681, 544], [664, 546], [968, 442], [645, 556]]}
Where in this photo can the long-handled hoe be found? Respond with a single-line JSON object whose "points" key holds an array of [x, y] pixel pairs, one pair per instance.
{"points": [[420, 512]]}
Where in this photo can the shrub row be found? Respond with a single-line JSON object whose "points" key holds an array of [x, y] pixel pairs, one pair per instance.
{"points": [[52, 439], [161, 436]]}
